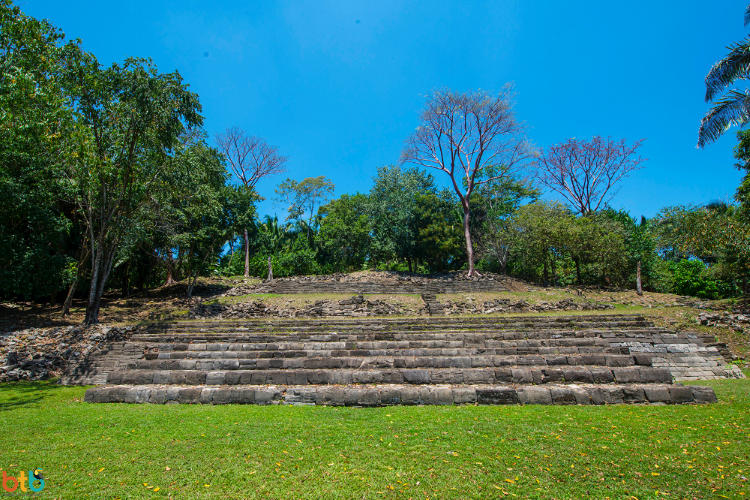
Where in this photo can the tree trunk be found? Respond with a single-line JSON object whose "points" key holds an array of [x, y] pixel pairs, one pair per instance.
{"points": [[125, 282], [639, 288], [408, 261], [467, 236], [577, 260], [192, 280], [554, 271], [104, 267], [270, 269], [546, 274], [170, 267], [247, 255], [69, 299], [744, 285], [72, 290]]}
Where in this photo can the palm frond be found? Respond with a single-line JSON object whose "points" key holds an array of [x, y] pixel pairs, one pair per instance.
{"points": [[736, 65], [733, 109], [747, 15]]}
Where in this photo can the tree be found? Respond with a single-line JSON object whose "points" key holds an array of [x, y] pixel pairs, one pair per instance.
{"points": [[393, 212], [497, 201], [538, 234], [250, 159], [132, 117], [732, 106], [584, 172], [462, 134], [40, 239], [344, 236], [302, 197]]}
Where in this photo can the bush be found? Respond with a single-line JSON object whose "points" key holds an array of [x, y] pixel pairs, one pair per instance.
{"points": [[692, 277]]}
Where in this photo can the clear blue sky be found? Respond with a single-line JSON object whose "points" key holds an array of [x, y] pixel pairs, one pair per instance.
{"points": [[338, 86]]}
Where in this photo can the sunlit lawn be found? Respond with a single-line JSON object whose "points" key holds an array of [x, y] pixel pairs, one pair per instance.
{"points": [[150, 451]]}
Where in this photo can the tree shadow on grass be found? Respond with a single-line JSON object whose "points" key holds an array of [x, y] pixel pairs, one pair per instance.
{"points": [[23, 394]]}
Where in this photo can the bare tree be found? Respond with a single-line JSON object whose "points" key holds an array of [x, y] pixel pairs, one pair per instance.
{"points": [[464, 134], [250, 159], [584, 172]]}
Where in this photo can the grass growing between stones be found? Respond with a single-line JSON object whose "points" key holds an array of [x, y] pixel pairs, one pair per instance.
{"points": [[151, 451]]}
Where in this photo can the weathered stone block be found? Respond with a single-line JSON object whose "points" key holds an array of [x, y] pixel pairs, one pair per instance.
{"points": [[633, 395], [602, 375], [478, 376], [207, 394], [681, 394], [701, 394], [626, 375], [563, 396], [497, 396], [657, 394], [367, 377], [215, 378], [190, 395], [96, 395], [464, 395], [522, 376], [390, 396], [534, 396], [410, 395], [416, 376], [332, 396]]}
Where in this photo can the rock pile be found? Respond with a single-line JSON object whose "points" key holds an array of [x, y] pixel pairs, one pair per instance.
{"points": [[736, 322], [39, 353], [510, 306], [356, 306]]}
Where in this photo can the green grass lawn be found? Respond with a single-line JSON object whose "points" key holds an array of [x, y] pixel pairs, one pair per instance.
{"points": [[149, 451]]}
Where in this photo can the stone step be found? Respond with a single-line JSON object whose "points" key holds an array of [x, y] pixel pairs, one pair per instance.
{"points": [[418, 322], [386, 395], [311, 362], [552, 352], [268, 326], [372, 375], [631, 335]]}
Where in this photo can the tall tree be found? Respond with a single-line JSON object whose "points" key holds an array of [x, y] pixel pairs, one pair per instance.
{"points": [[250, 159], [462, 134], [133, 117], [732, 106], [302, 197], [39, 236], [585, 172]]}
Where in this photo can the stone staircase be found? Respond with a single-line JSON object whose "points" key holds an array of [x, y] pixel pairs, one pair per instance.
{"points": [[591, 359], [434, 307]]}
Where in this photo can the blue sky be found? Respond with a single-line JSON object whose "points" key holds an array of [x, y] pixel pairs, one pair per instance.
{"points": [[338, 86]]}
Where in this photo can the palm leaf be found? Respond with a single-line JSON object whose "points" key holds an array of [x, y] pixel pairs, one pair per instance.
{"points": [[736, 65], [747, 16], [733, 109]]}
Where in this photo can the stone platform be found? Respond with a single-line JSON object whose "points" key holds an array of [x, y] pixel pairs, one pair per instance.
{"points": [[576, 359]]}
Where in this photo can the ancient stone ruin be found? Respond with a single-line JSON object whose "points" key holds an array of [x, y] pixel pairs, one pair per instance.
{"points": [[602, 359]]}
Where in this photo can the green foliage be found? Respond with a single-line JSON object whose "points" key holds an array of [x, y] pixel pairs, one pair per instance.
{"points": [[716, 234], [36, 129], [733, 108], [294, 260], [411, 219], [344, 236], [692, 277]]}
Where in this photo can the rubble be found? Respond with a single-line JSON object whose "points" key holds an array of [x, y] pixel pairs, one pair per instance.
{"points": [[40, 353]]}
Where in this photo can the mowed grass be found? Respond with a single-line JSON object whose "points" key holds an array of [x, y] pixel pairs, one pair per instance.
{"points": [[185, 452]]}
